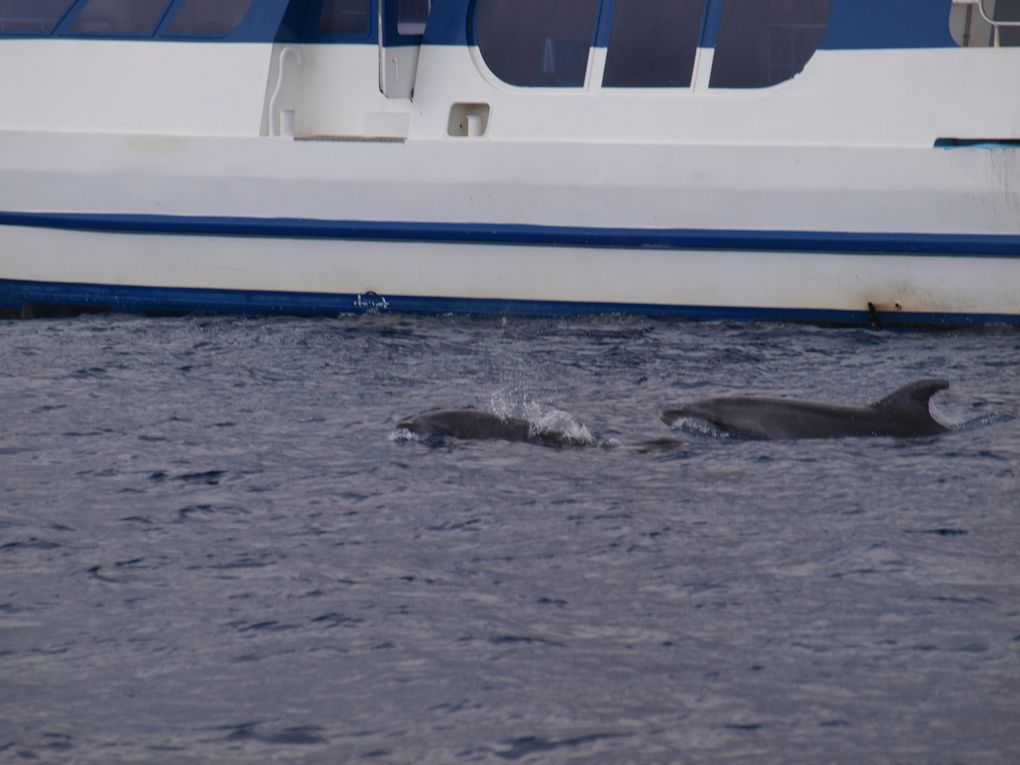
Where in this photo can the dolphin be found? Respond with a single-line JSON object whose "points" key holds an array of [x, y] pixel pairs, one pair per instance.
{"points": [[904, 413], [472, 424]]}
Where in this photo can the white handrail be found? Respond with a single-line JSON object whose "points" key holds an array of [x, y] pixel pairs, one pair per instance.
{"points": [[274, 127]]}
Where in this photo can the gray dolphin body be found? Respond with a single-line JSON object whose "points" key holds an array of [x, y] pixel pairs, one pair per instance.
{"points": [[471, 424], [905, 413]]}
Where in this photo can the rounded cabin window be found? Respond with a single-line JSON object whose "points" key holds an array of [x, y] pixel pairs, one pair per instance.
{"points": [[543, 43], [764, 42]]}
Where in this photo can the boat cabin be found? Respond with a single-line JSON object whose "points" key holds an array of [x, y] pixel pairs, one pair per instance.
{"points": [[334, 69]]}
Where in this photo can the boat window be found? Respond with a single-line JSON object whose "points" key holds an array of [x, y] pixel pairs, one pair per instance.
{"points": [[653, 43], [200, 18], [127, 18], [1002, 10], [344, 17], [536, 42], [31, 17], [1006, 16], [411, 17], [764, 43]]}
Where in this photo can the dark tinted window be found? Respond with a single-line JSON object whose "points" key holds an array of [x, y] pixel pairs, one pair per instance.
{"points": [[1005, 10], [653, 43], [536, 42], [411, 16], [31, 16], [1002, 10], [129, 18], [344, 17], [206, 18], [763, 42]]}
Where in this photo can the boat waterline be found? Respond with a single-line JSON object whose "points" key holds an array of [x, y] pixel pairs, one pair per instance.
{"points": [[126, 271]]}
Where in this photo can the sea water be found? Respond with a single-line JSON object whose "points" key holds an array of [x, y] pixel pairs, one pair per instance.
{"points": [[215, 547]]}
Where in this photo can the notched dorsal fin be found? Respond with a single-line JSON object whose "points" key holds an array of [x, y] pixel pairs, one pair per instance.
{"points": [[913, 396]]}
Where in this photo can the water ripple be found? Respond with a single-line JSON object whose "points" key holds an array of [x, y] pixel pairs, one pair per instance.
{"points": [[212, 551]]}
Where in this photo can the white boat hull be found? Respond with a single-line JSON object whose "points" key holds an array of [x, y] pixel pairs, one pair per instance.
{"points": [[267, 274]]}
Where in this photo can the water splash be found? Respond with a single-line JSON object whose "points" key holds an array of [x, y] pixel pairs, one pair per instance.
{"points": [[695, 426], [551, 420], [501, 403], [403, 435]]}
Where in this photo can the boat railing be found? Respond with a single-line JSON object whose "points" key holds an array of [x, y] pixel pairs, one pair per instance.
{"points": [[997, 25]]}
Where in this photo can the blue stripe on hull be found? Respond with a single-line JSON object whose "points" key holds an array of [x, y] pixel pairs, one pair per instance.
{"points": [[157, 300], [815, 242]]}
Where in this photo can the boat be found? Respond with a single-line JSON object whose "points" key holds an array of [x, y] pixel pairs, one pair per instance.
{"points": [[830, 161]]}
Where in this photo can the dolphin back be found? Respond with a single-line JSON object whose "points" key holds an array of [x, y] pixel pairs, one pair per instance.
{"points": [[467, 423], [904, 413], [760, 417], [473, 424], [912, 395], [912, 403]]}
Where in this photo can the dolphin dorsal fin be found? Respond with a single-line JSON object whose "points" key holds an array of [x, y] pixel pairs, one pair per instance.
{"points": [[912, 397]]}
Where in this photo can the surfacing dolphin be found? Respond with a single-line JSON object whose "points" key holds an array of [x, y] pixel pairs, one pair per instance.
{"points": [[472, 424], [905, 413]]}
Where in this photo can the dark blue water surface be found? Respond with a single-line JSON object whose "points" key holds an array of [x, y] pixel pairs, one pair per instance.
{"points": [[215, 548]]}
